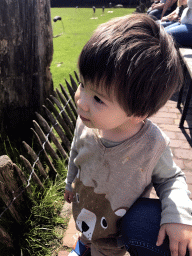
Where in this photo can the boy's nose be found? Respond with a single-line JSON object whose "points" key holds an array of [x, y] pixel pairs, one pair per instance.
{"points": [[82, 104], [81, 101]]}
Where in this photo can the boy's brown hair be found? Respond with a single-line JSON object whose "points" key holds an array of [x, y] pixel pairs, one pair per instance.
{"points": [[136, 59]]}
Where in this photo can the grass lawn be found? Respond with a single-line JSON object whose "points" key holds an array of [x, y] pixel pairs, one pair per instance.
{"points": [[78, 27]]}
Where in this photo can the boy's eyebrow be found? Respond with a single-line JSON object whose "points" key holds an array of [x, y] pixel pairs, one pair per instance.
{"points": [[100, 94], [103, 95]]}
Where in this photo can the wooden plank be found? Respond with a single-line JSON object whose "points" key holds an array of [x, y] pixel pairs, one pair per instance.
{"points": [[34, 157], [77, 77], [9, 188], [46, 127], [66, 105], [65, 138], [71, 91], [7, 198], [186, 54], [61, 120], [29, 169], [6, 242], [73, 83], [21, 178], [63, 113], [56, 126], [52, 170], [43, 138], [72, 105]]}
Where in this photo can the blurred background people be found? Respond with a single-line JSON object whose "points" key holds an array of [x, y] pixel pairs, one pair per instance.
{"points": [[182, 30], [157, 8], [175, 15]]}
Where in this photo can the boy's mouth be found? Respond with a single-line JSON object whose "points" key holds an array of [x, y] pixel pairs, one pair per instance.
{"points": [[84, 119]]}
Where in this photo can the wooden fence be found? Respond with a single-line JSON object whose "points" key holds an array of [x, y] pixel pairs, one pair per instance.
{"points": [[53, 135]]}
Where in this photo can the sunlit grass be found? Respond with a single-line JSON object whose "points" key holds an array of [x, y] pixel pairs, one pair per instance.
{"points": [[43, 230], [78, 27]]}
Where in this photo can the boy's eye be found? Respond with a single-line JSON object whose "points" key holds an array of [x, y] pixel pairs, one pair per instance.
{"points": [[98, 100]]}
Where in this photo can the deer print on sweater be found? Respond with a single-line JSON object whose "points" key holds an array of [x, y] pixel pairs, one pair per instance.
{"points": [[94, 216]]}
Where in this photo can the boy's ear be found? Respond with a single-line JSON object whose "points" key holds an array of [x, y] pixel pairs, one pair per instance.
{"points": [[138, 119]]}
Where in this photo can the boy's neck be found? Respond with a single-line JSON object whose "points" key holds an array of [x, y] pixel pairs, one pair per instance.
{"points": [[118, 135]]}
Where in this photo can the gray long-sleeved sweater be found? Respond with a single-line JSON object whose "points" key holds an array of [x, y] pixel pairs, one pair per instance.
{"points": [[107, 181]]}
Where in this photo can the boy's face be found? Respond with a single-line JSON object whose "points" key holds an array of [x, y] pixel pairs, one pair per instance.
{"points": [[97, 110]]}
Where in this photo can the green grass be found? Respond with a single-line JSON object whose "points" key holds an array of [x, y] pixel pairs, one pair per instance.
{"points": [[43, 230], [78, 27]]}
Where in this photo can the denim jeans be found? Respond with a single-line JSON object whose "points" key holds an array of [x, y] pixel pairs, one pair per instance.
{"points": [[140, 227], [156, 14], [167, 23], [182, 33]]}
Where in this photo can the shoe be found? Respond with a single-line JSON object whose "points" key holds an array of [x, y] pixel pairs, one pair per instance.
{"points": [[80, 250]]}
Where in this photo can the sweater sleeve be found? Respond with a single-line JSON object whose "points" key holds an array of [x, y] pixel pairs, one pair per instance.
{"points": [[171, 187], [72, 169]]}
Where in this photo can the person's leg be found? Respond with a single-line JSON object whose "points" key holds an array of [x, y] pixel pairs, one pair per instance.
{"points": [[167, 23], [140, 227], [182, 33], [155, 14], [176, 24]]}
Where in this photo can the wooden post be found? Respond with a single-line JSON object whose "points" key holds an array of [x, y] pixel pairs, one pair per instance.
{"points": [[26, 50], [6, 242], [12, 183], [13, 205]]}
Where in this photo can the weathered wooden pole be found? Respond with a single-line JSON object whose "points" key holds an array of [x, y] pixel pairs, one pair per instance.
{"points": [[26, 50]]}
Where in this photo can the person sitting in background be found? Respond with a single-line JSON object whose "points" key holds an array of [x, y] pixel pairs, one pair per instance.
{"points": [[156, 9], [175, 15], [181, 31]]}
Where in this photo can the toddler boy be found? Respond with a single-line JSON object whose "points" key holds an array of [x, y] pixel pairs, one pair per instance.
{"points": [[128, 70]]}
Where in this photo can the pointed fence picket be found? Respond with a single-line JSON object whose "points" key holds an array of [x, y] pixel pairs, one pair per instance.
{"points": [[56, 129]]}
